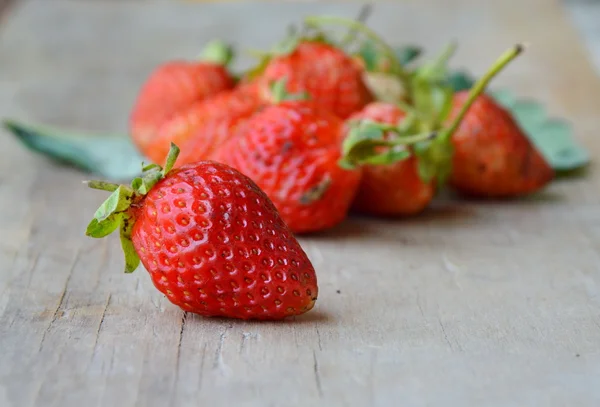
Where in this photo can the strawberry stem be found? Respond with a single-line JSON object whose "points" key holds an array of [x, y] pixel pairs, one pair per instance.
{"points": [[363, 14], [480, 86], [359, 27]]}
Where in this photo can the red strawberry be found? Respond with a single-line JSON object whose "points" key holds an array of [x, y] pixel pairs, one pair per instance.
{"points": [[492, 156], [171, 89], [211, 240], [393, 189], [401, 180], [291, 151], [203, 126], [332, 79]]}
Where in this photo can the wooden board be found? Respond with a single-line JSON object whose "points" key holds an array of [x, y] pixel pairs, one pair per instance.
{"points": [[493, 304]]}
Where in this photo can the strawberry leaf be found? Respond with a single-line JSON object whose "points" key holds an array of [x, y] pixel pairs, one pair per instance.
{"points": [[110, 156], [554, 138], [407, 54]]}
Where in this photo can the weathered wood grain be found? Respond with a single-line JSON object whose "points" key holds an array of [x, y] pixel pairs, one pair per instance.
{"points": [[493, 304]]}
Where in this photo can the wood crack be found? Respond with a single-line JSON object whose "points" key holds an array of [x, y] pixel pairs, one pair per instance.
{"points": [[318, 337], [106, 304], [317, 374], [178, 358], [60, 301]]}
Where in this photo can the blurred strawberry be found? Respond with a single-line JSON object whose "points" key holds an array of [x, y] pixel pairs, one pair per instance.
{"points": [[171, 89], [406, 153], [333, 79], [291, 150], [492, 156], [393, 189]]}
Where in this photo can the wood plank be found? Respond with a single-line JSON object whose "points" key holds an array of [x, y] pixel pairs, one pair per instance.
{"points": [[470, 304]]}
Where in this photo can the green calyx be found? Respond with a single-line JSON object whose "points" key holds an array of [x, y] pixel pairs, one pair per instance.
{"points": [[428, 114], [115, 213], [279, 92], [372, 143], [218, 52]]}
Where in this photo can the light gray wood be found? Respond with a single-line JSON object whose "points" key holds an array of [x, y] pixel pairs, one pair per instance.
{"points": [[483, 304]]}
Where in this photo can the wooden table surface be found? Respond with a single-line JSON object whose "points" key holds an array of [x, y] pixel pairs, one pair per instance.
{"points": [[482, 304]]}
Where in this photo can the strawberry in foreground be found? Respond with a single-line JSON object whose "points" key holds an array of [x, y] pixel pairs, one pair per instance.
{"points": [[211, 240], [402, 171], [493, 158], [169, 93], [291, 150]]}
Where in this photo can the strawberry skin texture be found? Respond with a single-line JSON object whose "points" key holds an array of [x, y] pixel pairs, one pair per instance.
{"points": [[492, 156], [203, 126], [169, 90], [215, 245], [332, 79], [291, 150], [393, 189]]}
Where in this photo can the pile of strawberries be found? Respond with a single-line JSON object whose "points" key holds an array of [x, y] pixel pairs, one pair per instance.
{"points": [[291, 147]]}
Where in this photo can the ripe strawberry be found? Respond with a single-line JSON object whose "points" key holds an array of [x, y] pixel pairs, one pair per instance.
{"points": [[203, 126], [210, 239], [393, 189], [332, 79], [170, 90], [291, 151], [492, 156]]}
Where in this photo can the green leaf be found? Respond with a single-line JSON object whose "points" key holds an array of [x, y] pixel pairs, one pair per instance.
{"points": [[460, 80], [370, 55], [112, 156], [407, 53], [554, 138]]}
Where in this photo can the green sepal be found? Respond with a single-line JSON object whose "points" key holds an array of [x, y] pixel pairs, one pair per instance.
{"points": [[118, 201], [99, 229], [367, 143], [132, 260], [434, 161], [219, 52], [171, 159], [279, 92]]}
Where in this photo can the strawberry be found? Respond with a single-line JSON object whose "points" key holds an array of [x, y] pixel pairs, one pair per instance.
{"points": [[203, 126], [210, 239], [332, 78], [492, 156], [402, 170], [171, 89], [290, 149], [393, 189]]}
